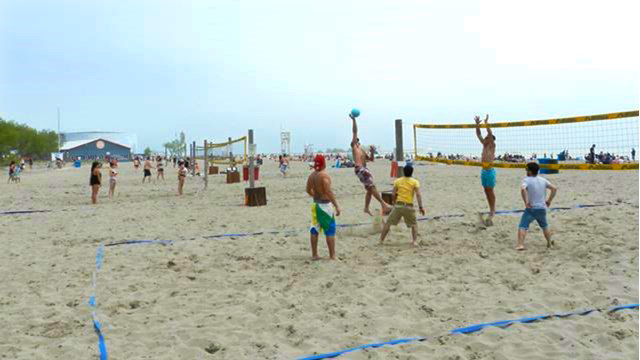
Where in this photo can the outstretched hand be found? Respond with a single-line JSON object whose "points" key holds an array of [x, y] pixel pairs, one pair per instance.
{"points": [[477, 119], [351, 116], [486, 119]]}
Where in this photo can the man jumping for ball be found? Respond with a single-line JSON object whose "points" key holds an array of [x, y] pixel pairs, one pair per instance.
{"points": [[364, 175], [488, 174]]}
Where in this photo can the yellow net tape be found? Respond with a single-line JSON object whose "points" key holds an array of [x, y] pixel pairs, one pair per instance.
{"points": [[632, 166], [568, 120]]}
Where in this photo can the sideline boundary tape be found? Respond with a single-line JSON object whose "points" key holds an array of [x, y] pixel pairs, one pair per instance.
{"points": [[19, 212], [469, 330], [93, 303]]}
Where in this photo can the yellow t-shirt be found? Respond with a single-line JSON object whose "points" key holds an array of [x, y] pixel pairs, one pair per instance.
{"points": [[405, 187]]}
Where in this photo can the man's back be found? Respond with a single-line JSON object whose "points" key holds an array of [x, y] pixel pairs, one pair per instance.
{"points": [[319, 184], [536, 188], [406, 187]]}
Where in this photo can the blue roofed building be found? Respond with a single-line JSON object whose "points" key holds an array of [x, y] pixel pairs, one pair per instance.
{"points": [[95, 149]]}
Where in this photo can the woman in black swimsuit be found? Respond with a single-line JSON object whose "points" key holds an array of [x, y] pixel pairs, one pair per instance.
{"points": [[95, 181]]}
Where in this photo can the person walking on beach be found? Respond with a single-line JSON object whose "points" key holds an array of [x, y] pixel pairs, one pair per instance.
{"points": [[323, 217], [147, 169], [113, 177], [533, 192], [12, 171], [182, 175], [633, 154], [95, 181], [160, 169], [404, 189], [364, 175], [284, 165], [488, 173]]}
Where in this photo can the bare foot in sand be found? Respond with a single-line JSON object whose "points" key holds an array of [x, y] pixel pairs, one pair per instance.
{"points": [[414, 244], [315, 258], [368, 211], [521, 248], [334, 258], [489, 221]]}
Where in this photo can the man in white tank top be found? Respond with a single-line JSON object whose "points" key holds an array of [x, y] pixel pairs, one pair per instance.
{"points": [[533, 191]]}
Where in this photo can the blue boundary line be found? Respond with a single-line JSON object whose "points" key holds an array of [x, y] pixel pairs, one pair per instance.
{"points": [[468, 330], [93, 303], [19, 212]]}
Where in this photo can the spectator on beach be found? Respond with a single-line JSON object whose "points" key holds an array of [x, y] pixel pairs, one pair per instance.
{"points": [[592, 154], [404, 189], [160, 169], [533, 192], [95, 181], [147, 169], [633, 154], [182, 175], [113, 177], [12, 172], [324, 208]]}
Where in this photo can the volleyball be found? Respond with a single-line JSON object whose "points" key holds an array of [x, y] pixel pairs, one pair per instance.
{"points": [[355, 112]]}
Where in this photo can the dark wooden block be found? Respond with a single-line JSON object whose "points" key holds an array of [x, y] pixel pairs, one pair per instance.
{"points": [[233, 177], [213, 170], [256, 196], [387, 196]]}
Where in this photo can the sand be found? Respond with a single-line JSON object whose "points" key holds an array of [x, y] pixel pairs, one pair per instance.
{"points": [[261, 296]]}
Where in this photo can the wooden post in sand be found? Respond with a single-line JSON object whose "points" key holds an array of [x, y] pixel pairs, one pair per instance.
{"points": [[399, 148], [206, 166], [253, 196], [193, 159]]}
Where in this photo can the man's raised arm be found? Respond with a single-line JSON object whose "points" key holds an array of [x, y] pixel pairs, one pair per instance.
{"points": [[486, 121], [478, 133], [354, 129]]}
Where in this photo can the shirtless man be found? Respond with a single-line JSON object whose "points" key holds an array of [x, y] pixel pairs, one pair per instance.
{"points": [[364, 175], [147, 169], [322, 211], [488, 174]]}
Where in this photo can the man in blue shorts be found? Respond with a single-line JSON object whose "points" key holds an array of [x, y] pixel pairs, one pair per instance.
{"points": [[533, 191], [488, 174]]}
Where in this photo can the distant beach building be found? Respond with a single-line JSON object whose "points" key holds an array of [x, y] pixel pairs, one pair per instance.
{"points": [[98, 145]]}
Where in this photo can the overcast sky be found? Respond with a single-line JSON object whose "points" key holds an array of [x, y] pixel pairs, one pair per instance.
{"points": [[215, 68]]}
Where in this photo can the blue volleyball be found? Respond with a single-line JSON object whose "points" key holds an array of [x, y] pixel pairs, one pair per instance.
{"points": [[355, 112]]}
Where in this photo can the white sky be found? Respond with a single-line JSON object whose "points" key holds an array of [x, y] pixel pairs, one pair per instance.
{"points": [[216, 68]]}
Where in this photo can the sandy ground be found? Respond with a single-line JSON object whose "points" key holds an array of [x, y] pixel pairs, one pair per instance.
{"points": [[261, 296]]}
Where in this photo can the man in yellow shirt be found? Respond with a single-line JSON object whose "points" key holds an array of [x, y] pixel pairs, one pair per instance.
{"points": [[403, 190]]}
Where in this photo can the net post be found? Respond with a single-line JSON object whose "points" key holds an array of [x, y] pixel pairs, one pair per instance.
{"points": [[206, 166], [193, 159], [415, 143], [251, 179], [399, 147]]}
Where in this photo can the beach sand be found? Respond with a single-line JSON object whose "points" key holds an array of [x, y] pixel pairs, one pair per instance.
{"points": [[261, 297]]}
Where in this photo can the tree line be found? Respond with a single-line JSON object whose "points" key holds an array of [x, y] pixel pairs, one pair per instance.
{"points": [[22, 140]]}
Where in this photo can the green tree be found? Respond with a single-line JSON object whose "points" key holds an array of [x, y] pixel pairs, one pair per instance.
{"points": [[23, 140], [147, 151]]}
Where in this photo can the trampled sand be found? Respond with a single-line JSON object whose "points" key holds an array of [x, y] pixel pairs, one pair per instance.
{"points": [[261, 297]]}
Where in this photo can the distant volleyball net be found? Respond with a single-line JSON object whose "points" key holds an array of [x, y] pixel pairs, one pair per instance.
{"points": [[567, 141], [233, 151]]}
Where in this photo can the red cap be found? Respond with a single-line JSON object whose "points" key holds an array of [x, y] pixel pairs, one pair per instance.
{"points": [[318, 162]]}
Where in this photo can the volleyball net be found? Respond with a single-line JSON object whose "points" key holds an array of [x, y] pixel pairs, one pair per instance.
{"points": [[567, 140], [233, 151]]}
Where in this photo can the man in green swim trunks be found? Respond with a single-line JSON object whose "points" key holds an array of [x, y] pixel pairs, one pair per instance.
{"points": [[488, 174]]}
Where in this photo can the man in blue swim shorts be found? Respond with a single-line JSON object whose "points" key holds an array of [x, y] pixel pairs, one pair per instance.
{"points": [[488, 174], [323, 217]]}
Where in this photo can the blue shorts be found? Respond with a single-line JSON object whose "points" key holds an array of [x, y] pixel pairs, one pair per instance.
{"points": [[488, 177], [540, 215], [330, 232]]}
